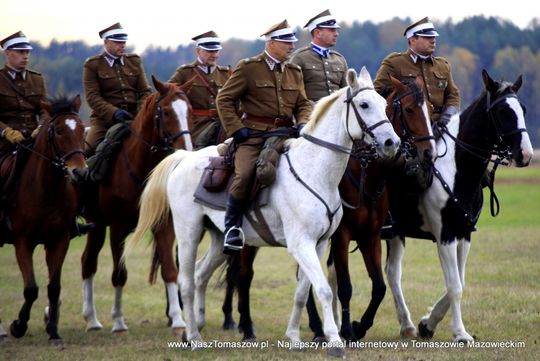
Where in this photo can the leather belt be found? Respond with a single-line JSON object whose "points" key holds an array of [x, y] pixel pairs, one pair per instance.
{"points": [[274, 121], [204, 112]]}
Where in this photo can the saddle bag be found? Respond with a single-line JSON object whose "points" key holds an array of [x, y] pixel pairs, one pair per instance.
{"points": [[99, 163], [216, 176]]}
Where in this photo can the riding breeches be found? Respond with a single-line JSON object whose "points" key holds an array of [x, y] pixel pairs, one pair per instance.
{"points": [[245, 161]]}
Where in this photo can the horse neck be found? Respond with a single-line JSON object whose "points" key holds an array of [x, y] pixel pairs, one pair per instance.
{"points": [[318, 160]]}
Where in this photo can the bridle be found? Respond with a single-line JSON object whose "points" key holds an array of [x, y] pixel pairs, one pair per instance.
{"points": [[58, 160], [167, 139]]}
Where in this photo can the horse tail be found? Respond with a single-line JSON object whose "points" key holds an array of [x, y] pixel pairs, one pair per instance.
{"points": [[154, 204]]}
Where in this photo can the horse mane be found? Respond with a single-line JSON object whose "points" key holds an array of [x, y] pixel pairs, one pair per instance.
{"points": [[322, 106], [62, 105], [149, 103]]}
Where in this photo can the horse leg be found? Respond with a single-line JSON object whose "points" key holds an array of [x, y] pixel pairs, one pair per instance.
{"points": [[3, 334], [231, 279], [118, 233], [372, 259], [24, 252], [453, 258], [395, 252], [300, 299], [94, 243], [204, 268], [245, 276], [54, 256], [309, 259], [164, 243]]}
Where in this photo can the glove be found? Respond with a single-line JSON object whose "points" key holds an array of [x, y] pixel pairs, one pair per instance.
{"points": [[241, 135], [12, 135], [35, 132], [447, 114], [299, 128], [120, 115]]}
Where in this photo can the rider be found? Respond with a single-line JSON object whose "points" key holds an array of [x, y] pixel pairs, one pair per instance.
{"points": [[21, 91], [439, 87], [209, 79], [324, 69], [114, 84], [272, 93]]}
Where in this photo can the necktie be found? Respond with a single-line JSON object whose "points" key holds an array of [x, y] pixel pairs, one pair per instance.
{"points": [[19, 76]]}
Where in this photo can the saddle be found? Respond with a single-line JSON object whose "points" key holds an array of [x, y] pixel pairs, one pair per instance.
{"points": [[99, 164]]}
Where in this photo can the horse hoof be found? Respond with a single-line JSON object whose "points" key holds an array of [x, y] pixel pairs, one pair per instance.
{"points": [[249, 339], [409, 332], [3, 339], [227, 326], [424, 331], [178, 331], [319, 339], [338, 352], [119, 332], [56, 342], [94, 328], [18, 329]]}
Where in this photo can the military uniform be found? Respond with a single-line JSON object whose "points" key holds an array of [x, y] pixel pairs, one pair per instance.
{"points": [[110, 87], [271, 94], [322, 75], [207, 83], [20, 98]]}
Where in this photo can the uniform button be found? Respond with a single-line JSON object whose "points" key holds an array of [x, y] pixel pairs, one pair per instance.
{"points": [[125, 98], [326, 62]]}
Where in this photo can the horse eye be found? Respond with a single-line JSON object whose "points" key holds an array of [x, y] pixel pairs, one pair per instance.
{"points": [[166, 113], [364, 105], [408, 110]]}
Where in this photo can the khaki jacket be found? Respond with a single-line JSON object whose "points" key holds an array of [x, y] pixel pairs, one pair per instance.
{"points": [[20, 106], [322, 76], [439, 87], [108, 88], [263, 93]]}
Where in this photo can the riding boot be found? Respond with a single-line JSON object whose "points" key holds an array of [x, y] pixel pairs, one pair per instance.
{"points": [[387, 230], [234, 236]]}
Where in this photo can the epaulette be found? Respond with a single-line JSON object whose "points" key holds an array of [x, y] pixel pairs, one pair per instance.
{"points": [[254, 59], [393, 55], [441, 58], [294, 66], [224, 67], [33, 71], [132, 55], [305, 48], [185, 66], [93, 58], [336, 53]]}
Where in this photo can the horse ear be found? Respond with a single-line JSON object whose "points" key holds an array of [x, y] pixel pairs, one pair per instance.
{"points": [[352, 78], [489, 83], [186, 87], [517, 84], [77, 102], [396, 84], [364, 75], [160, 87]]}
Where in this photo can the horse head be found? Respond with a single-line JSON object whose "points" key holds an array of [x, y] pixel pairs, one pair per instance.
{"points": [[507, 119], [408, 112], [173, 114], [61, 138], [368, 108]]}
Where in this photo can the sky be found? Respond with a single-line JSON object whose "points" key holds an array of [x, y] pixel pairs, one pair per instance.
{"points": [[168, 23]]}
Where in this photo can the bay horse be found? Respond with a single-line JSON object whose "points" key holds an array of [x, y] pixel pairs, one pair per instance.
{"points": [[42, 204], [304, 205], [366, 206], [161, 126], [491, 129]]}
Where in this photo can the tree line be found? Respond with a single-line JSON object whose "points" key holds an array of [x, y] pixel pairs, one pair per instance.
{"points": [[470, 45]]}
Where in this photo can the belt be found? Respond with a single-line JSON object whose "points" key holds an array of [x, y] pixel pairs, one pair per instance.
{"points": [[275, 121], [204, 112]]}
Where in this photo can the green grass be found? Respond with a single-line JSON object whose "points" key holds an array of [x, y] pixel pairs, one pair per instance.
{"points": [[501, 301]]}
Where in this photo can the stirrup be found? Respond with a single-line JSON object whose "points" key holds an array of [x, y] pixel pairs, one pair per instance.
{"points": [[232, 247]]}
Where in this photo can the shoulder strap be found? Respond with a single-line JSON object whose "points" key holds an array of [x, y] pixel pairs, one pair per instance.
{"points": [[210, 89]]}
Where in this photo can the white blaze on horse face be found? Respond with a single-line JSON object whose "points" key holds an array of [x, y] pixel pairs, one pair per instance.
{"points": [[526, 146], [181, 109], [71, 123]]}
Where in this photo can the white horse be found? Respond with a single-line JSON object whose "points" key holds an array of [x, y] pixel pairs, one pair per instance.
{"points": [[447, 212], [304, 206]]}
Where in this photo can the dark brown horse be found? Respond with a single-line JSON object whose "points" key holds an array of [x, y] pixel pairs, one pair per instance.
{"points": [[366, 207], [161, 126], [42, 204]]}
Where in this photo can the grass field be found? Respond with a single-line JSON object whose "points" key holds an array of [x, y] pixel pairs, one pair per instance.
{"points": [[501, 302]]}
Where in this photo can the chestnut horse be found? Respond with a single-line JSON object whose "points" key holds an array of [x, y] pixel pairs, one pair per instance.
{"points": [[365, 209], [161, 126], [42, 204]]}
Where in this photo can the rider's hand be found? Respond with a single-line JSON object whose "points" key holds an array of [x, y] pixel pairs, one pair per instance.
{"points": [[241, 135], [12, 135], [120, 115]]}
